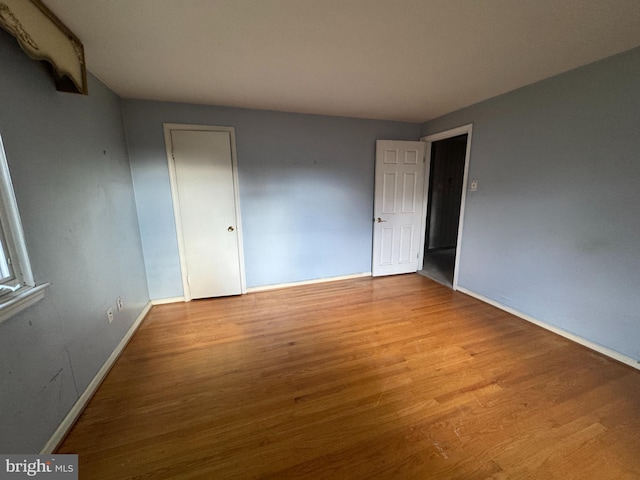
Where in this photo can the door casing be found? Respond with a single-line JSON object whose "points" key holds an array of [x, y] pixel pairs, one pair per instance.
{"points": [[429, 139]]}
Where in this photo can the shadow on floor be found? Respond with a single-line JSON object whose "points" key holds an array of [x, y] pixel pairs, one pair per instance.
{"points": [[438, 265]]}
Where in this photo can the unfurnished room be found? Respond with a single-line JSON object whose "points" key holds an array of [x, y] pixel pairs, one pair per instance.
{"points": [[342, 239]]}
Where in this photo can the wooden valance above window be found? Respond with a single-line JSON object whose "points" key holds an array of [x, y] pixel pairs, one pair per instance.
{"points": [[44, 37]]}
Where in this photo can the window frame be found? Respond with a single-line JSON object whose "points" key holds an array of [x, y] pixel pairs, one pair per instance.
{"points": [[6, 266], [20, 291]]}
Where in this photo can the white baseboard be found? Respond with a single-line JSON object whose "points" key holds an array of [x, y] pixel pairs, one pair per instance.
{"points": [[563, 333], [264, 288], [163, 301], [82, 402]]}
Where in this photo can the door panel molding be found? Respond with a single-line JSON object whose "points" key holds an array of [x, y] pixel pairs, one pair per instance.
{"points": [[398, 215]]}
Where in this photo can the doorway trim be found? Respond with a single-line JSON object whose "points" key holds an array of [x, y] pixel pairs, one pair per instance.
{"points": [[429, 140], [168, 127]]}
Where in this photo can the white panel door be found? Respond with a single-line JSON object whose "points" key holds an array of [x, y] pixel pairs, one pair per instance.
{"points": [[398, 205], [207, 215]]}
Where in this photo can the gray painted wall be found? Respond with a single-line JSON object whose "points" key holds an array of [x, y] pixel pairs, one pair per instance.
{"points": [[69, 164], [306, 190], [554, 228]]}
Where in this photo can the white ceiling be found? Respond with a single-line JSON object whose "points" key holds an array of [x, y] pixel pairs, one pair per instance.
{"points": [[408, 60]]}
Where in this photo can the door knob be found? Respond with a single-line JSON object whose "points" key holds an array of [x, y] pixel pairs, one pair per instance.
{"points": [[379, 220], [230, 229]]}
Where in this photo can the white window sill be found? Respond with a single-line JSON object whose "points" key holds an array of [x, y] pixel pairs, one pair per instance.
{"points": [[14, 303]]}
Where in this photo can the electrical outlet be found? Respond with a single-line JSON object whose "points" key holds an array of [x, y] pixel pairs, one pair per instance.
{"points": [[119, 304], [110, 315], [474, 186]]}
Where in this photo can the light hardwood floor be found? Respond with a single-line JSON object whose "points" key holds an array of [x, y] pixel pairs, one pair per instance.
{"points": [[386, 378]]}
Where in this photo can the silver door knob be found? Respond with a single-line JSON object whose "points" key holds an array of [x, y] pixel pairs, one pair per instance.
{"points": [[230, 229], [379, 220]]}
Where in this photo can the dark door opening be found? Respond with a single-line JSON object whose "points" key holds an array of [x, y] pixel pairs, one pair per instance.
{"points": [[443, 208]]}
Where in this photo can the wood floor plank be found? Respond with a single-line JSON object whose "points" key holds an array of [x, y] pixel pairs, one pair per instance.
{"points": [[386, 378]]}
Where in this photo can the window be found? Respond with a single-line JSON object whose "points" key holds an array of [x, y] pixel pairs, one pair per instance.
{"points": [[18, 289]]}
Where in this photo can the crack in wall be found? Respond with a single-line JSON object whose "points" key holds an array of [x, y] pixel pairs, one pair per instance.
{"points": [[73, 374]]}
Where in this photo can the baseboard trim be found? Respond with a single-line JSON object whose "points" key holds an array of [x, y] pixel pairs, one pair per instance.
{"points": [[164, 301], [277, 286], [558, 331], [307, 282], [82, 402]]}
